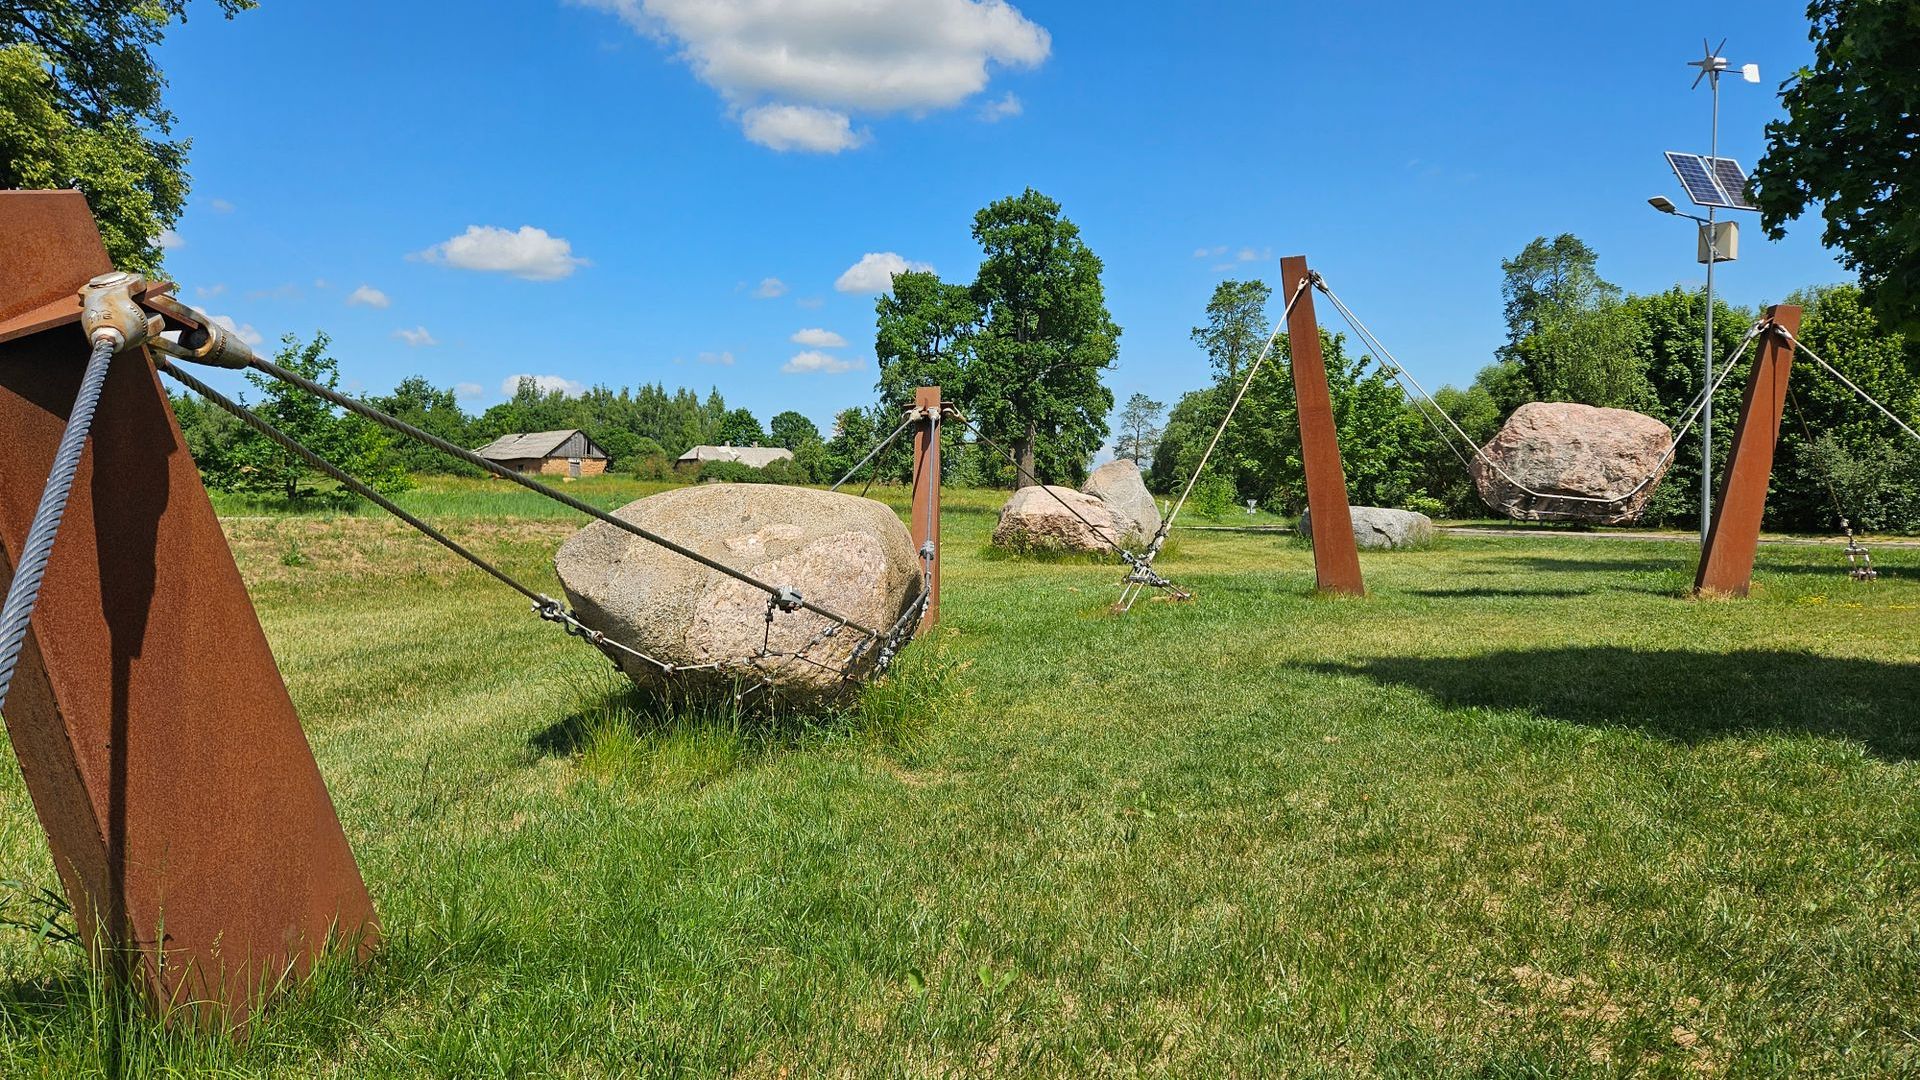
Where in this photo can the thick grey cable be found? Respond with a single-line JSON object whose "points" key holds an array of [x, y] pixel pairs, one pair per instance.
{"points": [[1849, 384], [351, 483], [1266, 350], [783, 596], [17, 613], [1397, 370], [878, 449]]}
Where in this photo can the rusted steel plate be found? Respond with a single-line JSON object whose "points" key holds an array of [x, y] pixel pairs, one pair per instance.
{"points": [[926, 494], [1726, 563], [1336, 554], [188, 820]]}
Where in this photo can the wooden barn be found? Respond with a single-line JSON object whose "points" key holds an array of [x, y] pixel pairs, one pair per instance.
{"points": [[568, 453]]}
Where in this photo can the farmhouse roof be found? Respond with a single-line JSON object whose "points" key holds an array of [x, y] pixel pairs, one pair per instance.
{"points": [[757, 456], [537, 444]]}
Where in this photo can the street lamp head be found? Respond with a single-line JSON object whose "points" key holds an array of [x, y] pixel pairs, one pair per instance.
{"points": [[1663, 204]]}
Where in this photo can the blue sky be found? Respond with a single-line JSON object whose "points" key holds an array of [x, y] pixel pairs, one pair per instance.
{"points": [[626, 191]]}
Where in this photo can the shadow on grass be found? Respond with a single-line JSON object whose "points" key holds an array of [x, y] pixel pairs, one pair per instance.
{"points": [[739, 722], [1674, 694]]}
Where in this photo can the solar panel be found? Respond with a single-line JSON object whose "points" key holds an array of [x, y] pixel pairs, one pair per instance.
{"points": [[1697, 179], [1733, 183]]}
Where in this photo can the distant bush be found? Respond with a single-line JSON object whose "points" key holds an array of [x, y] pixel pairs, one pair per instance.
{"points": [[655, 467], [783, 471]]}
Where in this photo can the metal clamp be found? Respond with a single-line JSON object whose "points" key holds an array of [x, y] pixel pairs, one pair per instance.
{"points": [[786, 599], [108, 311], [202, 340]]}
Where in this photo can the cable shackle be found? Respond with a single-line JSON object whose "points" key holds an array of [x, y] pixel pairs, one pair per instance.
{"points": [[110, 314]]}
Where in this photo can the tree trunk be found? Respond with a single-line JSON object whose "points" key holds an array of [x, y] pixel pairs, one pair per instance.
{"points": [[1027, 476]]}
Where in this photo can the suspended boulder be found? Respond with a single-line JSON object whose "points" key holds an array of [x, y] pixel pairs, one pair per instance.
{"points": [[1381, 528], [1118, 484], [1056, 518], [1573, 455], [849, 555]]}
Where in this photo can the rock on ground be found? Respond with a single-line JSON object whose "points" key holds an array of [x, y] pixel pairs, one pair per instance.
{"points": [[1118, 484], [1034, 520], [1380, 527], [1559, 448], [847, 554]]}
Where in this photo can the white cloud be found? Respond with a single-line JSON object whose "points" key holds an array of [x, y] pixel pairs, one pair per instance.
{"points": [[368, 296], [244, 331], [416, 337], [801, 127], [220, 206], [208, 292], [813, 361], [468, 389], [793, 70], [171, 241], [874, 272], [770, 288], [719, 359], [816, 338], [530, 253], [1214, 252], [546, 383], [1002, 108]]}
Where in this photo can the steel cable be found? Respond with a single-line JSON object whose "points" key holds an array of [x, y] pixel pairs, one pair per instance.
{"points": [[1412, 387], [16, 615], [1849, 384], [781, 595]]}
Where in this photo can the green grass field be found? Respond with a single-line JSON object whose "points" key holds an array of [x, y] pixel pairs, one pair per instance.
{"points": [[1524, 811]]}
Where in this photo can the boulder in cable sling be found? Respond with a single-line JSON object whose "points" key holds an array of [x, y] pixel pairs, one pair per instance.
{"points": [[1118, 484], [847, 554], [1558, 448], [1039, 519]]}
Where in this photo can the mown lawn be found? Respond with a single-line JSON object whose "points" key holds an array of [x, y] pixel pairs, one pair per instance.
{"points": [[1524, 811]]}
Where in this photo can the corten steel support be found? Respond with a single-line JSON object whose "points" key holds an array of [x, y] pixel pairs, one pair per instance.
{"points": [[1726, 563], [188, 821], [926, 490], [1336, 555]]}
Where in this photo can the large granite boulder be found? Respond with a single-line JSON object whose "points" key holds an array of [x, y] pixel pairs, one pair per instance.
{"points": [[1035, 519], [847, 554], [1381, 528], [1559, 448], [1118, 484]]}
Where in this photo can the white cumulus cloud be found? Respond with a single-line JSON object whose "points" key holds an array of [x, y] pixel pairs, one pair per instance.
{"points": [[814, 337], [719, 359], [529, 253], [874, 272], [416, 337], [1001, 108], [368, 296], [171, 241], [546, 384], [244, 331], [468, 389], [815, 362], [815, 62], [801, 127], [769, 288]]}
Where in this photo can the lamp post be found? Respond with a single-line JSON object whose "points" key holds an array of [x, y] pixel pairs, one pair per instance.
{"points": [[1711, 66]]}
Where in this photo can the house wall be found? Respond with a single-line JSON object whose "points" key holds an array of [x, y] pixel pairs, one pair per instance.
{"points": [[557, 466]]}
